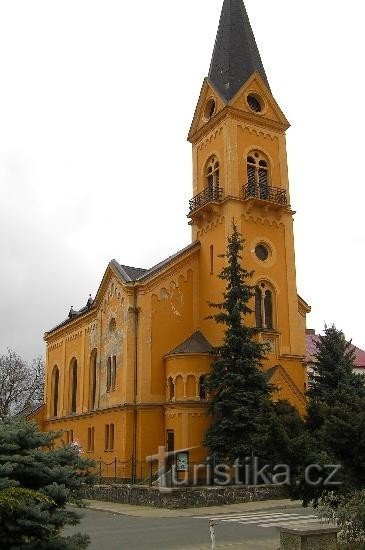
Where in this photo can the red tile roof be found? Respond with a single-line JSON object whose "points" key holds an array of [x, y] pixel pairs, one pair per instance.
{"points": [[311, 340]]}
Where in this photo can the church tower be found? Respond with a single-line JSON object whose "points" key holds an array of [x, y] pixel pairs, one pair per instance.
{"points": [[240, 173]]}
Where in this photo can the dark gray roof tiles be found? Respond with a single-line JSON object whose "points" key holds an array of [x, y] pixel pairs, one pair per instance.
{"points": [[196, 343], [129, 274], [236, 55], [138, 273]]}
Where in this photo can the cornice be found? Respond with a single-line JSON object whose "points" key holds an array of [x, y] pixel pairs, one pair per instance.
{"points": [[238, 114]]}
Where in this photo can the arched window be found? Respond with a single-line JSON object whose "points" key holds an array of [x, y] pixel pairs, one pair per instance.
{"points": [[55, 391], [264, 306], [171, 389], [258, 174], [203, 393], [93, 359], [212, 177], [73, 386], [258, 307]]}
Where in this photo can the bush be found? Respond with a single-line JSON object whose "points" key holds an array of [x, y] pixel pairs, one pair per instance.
{"points": [[348, 512]]}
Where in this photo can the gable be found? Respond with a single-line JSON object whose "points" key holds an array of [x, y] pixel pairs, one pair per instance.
{"points": [[256, 87], [286, 387], [203, 112]]}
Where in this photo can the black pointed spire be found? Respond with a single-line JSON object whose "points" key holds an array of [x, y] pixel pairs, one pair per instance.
{"points": [[236, 56]]}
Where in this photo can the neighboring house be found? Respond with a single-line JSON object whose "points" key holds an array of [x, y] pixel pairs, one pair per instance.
{"points": [[125, 374], [312, 338]]}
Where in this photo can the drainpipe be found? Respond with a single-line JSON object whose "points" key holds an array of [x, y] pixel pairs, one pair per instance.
{"points": [[135, 386]]}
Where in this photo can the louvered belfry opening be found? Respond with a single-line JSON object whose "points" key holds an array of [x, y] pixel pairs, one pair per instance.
{"points": [[254, 104]]}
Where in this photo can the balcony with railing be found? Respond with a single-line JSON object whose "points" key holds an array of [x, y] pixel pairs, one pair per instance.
{"points": [[267, 193], [208, 196]]}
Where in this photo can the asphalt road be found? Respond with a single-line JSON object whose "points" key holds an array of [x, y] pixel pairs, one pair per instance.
{"points": [[248, 531]]}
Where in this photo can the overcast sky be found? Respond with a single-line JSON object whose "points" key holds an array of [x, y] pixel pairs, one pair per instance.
{"points": [[96, 99]]}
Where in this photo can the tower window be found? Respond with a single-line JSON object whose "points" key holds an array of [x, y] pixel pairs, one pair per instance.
{"points": [[262, 252], [209, 110], [258, 307], [258, 174], [264, 307], [255, 103], [212, 177]]}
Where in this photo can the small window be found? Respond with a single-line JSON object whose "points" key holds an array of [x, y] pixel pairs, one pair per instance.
{"points": [[109, 437], [262, 252], [268, 309], [171, 389], [113, 373], [109, 374], [112, 325], [209, 110], [90, 439], [203, 393], [258, 307], [73, 386], [55, 390], [255, 103], [106, 437]]}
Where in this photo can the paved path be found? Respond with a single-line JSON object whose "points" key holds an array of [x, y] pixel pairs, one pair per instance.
{"points": [[246, 528]]}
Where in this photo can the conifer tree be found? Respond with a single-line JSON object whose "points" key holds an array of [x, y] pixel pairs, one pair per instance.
{"points": [[36, 483], [240, 392], [336, 417]]}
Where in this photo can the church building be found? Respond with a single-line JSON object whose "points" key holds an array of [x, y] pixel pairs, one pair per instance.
{"points": [[125, 374]]}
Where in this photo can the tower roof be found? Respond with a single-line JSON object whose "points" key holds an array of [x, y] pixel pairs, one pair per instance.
{"points": [[236, 56]]}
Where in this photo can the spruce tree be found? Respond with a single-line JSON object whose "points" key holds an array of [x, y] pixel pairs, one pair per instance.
{"points": [[240, 393], [37, 480], [336, 417]]}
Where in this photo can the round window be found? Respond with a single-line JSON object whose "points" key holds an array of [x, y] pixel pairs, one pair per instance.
{"points": [[262, 252], [209, 110], [255, 103]]}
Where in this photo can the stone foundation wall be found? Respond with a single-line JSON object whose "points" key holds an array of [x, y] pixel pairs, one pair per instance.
{"points": [[182, 497]]}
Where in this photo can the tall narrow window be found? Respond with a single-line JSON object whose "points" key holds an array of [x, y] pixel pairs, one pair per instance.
{"points": [[93, 360], [106, 437], [90, 439], [55, 390], [73, 381], [170, 448], [114, 373], [109, 374], [203, 387], [268, 309], [264, 307], [258, 307], [171, 389], [111, 437]]}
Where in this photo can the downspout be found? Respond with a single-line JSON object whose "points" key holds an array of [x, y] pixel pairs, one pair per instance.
{"points": [[135, 386]]}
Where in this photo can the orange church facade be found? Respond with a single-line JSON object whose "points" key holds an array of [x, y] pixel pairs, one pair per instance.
{"points": [[125, 374]]}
